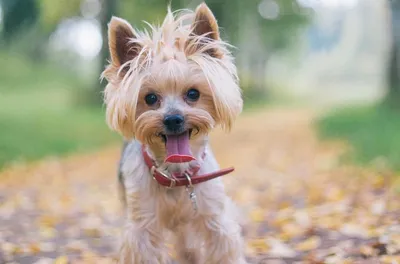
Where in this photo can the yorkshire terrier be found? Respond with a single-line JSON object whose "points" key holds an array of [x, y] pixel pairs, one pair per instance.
{"points": [[167, 89]]}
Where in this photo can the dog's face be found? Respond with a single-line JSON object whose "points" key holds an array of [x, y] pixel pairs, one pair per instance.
{"points": [[171, 86]]}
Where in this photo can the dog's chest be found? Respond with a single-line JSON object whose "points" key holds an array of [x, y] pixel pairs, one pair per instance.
{"points": [[175, 208]]}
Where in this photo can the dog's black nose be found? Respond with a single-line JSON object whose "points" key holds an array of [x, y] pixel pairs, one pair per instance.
{"points": [[174, 123]]}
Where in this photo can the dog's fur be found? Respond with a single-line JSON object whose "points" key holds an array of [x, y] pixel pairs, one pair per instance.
{"points": [[185, 51]]}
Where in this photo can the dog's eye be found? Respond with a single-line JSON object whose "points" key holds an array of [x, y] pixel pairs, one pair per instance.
{"points": [[151, 99], [193, 95]]}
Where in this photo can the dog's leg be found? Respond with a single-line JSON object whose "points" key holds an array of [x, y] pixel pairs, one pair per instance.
{"points": [[218, 225], [186, 245], [142, 245], [143, 237], [223, 240]]}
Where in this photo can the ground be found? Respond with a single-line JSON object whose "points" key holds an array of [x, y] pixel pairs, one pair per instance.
{"points": [[299, 202]]}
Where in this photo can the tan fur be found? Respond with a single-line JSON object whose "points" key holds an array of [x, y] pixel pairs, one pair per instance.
{"points": [[184, 52]]}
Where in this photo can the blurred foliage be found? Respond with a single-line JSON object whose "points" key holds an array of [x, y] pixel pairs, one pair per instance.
{"points": [[138, 11], [52, 12], [17, 16], [393, 96], [279, 33], [276, 33], [44, 107], [371, 131], [39, 115]]}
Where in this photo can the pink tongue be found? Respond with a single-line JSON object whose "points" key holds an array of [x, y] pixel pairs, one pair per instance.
{"points": [[178, 149]]}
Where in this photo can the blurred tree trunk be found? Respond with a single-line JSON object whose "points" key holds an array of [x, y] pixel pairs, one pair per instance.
{"points": [[394, 78], [18, 15], [393, 95], [109, 9]]}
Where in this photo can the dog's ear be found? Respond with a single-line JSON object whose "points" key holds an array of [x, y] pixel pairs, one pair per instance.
{"points": [[121, 42], [205, 30]]}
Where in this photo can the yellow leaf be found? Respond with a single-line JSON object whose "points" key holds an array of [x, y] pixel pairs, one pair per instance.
{"points": [[329, 222], [34, 248], [284, 205], [378, 182], [92, 232], [309, 244], [367, 251], [395, 239], [11, 248], [257, 215], [48, 221], [346, 261], [89, 257], [390, 259], [259, 245], [292, 230], [48, 232], [284, 237], [373, 232], [314, 196], [335, 194], [61, 260]]}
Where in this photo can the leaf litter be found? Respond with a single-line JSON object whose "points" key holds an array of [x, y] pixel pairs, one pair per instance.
{"points": [[299, 203]]}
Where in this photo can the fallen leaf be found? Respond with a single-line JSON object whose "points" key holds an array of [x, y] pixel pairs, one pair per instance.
{"points": [[61, 260], [309, 244], [367, 251], [34, 248], [390, 259], [259, 245], [257, 215], [354, 230]]}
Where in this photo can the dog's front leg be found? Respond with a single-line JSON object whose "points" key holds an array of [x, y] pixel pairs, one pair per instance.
{"points": [[142, 240], [142, 244], [218, 224], [223, 241]]}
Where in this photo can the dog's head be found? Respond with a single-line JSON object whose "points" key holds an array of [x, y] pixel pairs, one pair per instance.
{"points": [[172, 84]]}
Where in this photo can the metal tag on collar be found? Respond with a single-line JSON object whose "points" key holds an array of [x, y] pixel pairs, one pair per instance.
{"points": [[190, 190]]}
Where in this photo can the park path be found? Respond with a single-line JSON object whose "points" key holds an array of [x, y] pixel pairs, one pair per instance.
{"points": [[300, 204]]}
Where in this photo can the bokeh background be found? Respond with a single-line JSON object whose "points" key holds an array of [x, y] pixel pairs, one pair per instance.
{"points": [[332, 62], [324, 53]]}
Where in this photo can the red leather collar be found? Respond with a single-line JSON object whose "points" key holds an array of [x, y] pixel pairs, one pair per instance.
{"points": [[188, 178]]}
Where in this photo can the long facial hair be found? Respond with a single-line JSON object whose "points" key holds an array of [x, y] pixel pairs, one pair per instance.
{"points": [[190, 38]]}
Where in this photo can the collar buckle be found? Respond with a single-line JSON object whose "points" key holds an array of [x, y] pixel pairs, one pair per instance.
{"points": [[154, 170]]}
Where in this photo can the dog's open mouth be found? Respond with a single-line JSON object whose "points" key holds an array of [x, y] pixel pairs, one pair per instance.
{"points": [[164, 136], [178, 147]]}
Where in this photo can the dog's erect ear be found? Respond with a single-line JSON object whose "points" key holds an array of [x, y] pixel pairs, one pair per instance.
{"points": [[121, 42], [206, 25]]}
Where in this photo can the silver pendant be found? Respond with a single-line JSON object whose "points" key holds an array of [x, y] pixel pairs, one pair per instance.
{"points": [[192, 197], [192, 194]]}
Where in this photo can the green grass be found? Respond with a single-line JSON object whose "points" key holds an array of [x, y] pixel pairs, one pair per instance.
{"points": [[40, 114], [373, 132]]}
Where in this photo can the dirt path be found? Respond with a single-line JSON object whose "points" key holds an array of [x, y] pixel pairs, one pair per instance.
{"points": [[299, 203]]}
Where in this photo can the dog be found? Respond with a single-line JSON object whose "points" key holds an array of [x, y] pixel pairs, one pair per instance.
{"points": [[168, 87]]}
